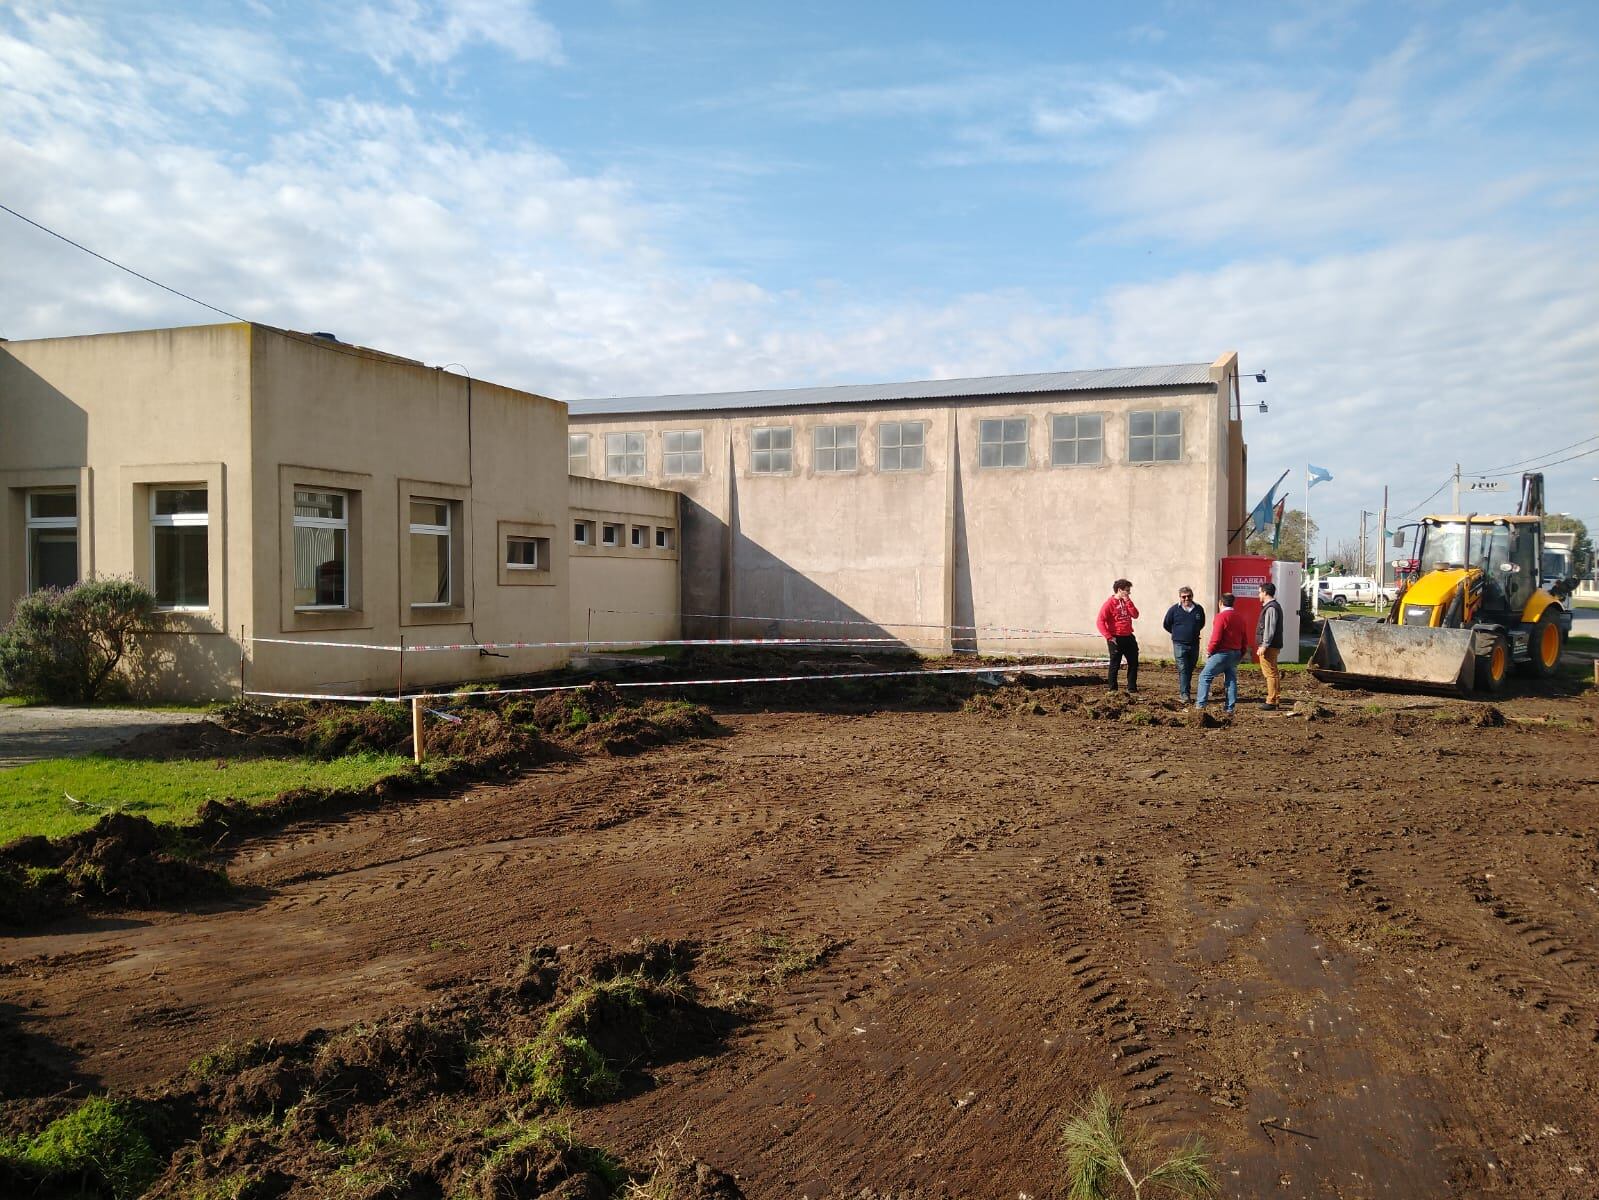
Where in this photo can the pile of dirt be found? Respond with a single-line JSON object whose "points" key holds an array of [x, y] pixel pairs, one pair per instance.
{"points": [[127, 862], [421, 1103], [121, 861]]}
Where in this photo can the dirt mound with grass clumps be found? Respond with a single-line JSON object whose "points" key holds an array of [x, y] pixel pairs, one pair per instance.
{"points": [[120, 862], [452, 1100]]}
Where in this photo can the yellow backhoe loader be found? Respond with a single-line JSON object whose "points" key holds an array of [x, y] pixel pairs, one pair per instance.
{"points": [[1473, 610]]}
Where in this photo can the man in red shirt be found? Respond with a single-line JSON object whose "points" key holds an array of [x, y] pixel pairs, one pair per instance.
{"points": [[1229, 642], [1116, 627]]}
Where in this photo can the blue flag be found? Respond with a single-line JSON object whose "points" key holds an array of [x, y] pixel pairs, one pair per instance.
{"points": [[1262, 513], [1318, 475]]}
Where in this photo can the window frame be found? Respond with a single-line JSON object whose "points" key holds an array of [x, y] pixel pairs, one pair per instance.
{"points": [[1004, 442], [586, 456], [1076, 439], [663, 538], [607, 529], [582, 532], [682, 453], [1154, 436], [899, 446], [180, 521], [539, 562], [446, 532], [32, 524], [853, 448], [298, 522], [627, 454], [638, 537], [756, 431]]}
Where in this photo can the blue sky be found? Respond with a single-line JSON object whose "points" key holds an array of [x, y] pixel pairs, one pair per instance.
{"points": [[1391, 207]]}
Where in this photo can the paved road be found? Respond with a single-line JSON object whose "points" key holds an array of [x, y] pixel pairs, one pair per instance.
{"points": [[28, 734], [1585, 621]]}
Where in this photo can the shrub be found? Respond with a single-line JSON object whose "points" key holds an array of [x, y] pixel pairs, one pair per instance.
{"points": [[65, 644]]}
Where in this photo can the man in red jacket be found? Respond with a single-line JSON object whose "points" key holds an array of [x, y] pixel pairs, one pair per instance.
{"points": [[1229, 642], [1116, 627]]}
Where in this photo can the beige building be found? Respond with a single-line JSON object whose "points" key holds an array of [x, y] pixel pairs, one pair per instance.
{"points": [[277, 485], [995, 506]]}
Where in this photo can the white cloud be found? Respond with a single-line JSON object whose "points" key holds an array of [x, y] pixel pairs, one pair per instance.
{"points": [[432, 32]]}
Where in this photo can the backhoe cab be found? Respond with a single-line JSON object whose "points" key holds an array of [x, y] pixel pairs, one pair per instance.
{"points": [[1474, 609]]}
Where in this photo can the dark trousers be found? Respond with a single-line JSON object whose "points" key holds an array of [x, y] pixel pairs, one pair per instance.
{"points": [[1123, 648], [1187, 656]]}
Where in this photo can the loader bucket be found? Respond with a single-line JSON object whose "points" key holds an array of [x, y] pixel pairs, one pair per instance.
{"points": [[1373, 653]]}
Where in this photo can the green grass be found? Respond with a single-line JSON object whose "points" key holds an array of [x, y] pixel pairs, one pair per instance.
{"points": [[132, 705], [33, 797], [1585, 642], [99, 1144]]}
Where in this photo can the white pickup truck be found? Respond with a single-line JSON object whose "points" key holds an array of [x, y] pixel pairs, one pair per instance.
{"points": [[1340, 590]]}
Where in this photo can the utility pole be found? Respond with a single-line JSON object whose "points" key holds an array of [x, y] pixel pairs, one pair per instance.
{"points": [[1382, 542], [1361, 556], [1455, 494]]}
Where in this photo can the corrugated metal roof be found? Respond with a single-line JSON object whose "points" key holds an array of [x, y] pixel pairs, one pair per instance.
{"points": [[1175, 375]]}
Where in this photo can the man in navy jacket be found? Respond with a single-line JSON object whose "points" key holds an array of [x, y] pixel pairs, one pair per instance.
{"points": [[1184, 621]]}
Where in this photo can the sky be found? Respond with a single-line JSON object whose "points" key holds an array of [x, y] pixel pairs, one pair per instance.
{"points": [[1390, 208]]}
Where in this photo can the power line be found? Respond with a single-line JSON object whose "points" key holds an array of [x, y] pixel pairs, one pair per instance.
{"points": [[1545, 454], [119, 266], [321, 343], [1555, 463], [1414, 507]]}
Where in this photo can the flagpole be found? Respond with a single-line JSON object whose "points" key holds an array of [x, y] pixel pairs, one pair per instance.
{"points": [[1306, 563]]}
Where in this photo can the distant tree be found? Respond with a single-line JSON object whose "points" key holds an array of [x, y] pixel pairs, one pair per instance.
{"points": [[1291, 548], [1581, 547]]}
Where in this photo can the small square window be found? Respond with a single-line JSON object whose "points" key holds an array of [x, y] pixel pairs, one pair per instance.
{"points": [[577, 453], [836, 447], [772, 449], [639, 538], [1076, 439], [624, 455], [582, 533], [1155, 436], [610, 534], [900, 445], [527, 553], [1002, 442], [663, 538], [682, 452]]}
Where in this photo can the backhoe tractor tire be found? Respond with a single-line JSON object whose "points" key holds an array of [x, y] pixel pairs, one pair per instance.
{"points": [[1493, 668], [1544, 643]]}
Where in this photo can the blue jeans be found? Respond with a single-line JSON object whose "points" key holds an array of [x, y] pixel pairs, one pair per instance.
{"points": [[1187, 656], [1225, 661]]}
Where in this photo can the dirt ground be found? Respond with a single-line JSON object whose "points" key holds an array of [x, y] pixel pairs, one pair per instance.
{"points": [[1358, 952]]}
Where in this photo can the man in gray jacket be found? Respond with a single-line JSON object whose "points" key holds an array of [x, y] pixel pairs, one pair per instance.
{"points": [[1269, 643]]}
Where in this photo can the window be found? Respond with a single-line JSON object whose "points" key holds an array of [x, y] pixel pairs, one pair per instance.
{"points": [[663, 538], [900, 445], [52, 527], [582, 533], [1076, 439], [430, 553], [577, 453], [772, 449], [1155, 436], [683, 452], [180, 568], [321, 549], [624, 454], [610, 535], [835, 447], [1002, 443], [527, 553], [640, 537]]}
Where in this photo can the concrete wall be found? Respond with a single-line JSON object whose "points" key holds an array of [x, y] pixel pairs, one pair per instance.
{"points": [[623, 591], [384, 430], [113, 414], [252, 412], [953, 543]]}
